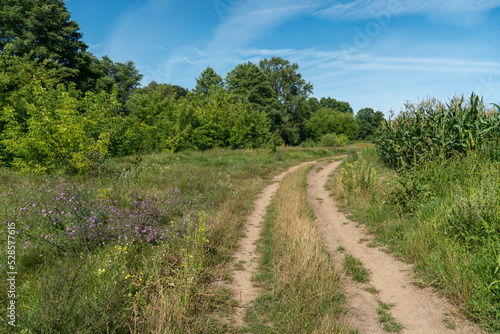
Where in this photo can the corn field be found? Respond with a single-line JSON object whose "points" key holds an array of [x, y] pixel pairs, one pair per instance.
{"points": [[431, 129]]}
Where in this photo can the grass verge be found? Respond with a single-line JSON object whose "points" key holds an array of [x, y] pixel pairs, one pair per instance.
{"points": [[301, 288]]}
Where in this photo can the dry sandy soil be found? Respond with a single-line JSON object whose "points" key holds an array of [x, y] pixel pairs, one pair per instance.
{"points": [[419, 310]]}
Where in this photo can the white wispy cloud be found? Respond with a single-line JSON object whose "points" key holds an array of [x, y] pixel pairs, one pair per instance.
{"points": [[465, 10], [265, 52], [243, 23], [371, 62], [250, 19]]}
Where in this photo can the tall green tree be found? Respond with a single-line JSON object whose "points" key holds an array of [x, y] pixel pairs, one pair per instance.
{"points": [[207, 81], [292, 91], [368, 121], [124, 76], [313, 105], [167, 90], [250, 83], [42, 29], [331, 103]]}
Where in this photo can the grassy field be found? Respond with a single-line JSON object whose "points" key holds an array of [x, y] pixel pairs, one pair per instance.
{"points": [[442, 216], [137, 247]]}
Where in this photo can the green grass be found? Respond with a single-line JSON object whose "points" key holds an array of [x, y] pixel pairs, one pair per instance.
{"points": [[389, 323], [198, 200], [239, 265], [372, 290], [354, 267]]}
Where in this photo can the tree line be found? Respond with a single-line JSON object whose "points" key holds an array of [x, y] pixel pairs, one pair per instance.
{"points": [[63, 108]]}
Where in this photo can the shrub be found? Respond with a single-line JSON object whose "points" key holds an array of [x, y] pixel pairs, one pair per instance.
{"points": [[342, 139], [60, 131], [329, 140], [308, 143], [326, 121]]}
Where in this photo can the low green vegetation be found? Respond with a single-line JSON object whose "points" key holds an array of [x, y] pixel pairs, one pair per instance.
{"points": [[440, 208], [240, 265], [449, 322], [372, 290], [355, 269], [136, 247], [389, 323], [301, 291]]}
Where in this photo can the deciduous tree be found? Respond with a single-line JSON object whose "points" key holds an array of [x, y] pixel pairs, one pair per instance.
{"points": [[292, 91], [368, 121], [249, 82], [207, 81], [331, 103], [42, 29]]}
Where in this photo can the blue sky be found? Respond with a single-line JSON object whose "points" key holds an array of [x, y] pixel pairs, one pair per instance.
{"points": [[370, 53]]}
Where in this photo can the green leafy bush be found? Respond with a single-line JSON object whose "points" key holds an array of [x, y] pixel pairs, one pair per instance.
{"points": [[218, 119], [326, 121], [342, 139], [60, 131], [308, 143], [329, 140]]}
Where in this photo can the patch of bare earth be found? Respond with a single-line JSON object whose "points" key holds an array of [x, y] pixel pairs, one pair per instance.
{"points": [[419, 310], [245, 259]]}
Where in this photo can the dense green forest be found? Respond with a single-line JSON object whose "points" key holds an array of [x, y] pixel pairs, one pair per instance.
{"points": [[62, 108]]}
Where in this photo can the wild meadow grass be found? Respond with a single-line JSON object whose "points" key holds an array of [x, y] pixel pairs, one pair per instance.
{"points": [[444, 217], [135, 246], [301, 287]]}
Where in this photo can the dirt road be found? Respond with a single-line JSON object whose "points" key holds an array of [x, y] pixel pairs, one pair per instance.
{"points": [[243, 290], [419, 310]]}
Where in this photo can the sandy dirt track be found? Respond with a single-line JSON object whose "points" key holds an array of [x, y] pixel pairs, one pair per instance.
{"points": [[243, 290], [419, 310]]}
